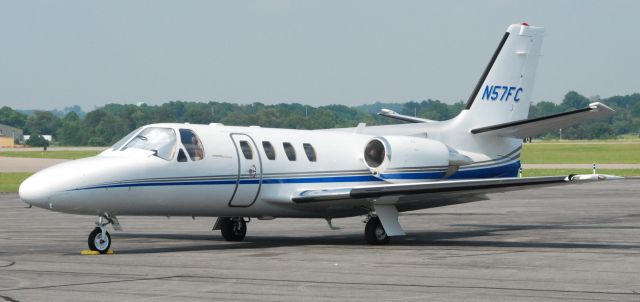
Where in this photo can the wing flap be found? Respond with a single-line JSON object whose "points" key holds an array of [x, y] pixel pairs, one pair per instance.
{"points": [[540, 125]]}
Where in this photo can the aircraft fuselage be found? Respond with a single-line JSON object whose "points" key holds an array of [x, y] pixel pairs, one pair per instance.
{"points": [[228, 182]]}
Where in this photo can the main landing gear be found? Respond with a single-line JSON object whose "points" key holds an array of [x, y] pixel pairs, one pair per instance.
{"points": [[374, 231], [382, 224], [232, 228], [99, 239]]}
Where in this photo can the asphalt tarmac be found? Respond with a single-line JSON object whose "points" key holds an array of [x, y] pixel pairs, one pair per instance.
{"points": [[579, 242]]}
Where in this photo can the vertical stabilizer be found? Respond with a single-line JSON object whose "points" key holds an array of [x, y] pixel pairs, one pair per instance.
{"points": [[503, 93]]}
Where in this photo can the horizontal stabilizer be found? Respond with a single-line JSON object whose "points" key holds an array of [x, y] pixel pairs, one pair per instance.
{"points": [[536, 126], [405, 118]]}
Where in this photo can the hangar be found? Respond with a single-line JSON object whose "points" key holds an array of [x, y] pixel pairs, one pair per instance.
{"points": [[9, 135]]}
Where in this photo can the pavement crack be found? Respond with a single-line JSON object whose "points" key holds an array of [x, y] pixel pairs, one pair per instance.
{"points": [[9, 263], [473, 255], [77, 273], [85, 283], [9, 299], [408, 285]]}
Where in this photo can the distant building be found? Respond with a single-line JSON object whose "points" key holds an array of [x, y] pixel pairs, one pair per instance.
{"points": [[8, 136]]}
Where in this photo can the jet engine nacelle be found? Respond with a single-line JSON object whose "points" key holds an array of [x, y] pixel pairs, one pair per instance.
{"points": [[387, 154]]}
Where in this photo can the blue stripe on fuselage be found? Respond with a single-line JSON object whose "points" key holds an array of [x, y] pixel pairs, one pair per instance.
{"points": [[363, 178], [508, 170]]}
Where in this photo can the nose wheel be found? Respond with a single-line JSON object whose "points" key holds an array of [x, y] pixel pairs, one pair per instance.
{"points": [[99, 240]]}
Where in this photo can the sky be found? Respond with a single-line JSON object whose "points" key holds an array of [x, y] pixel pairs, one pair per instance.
{"points": [[55, 54]]}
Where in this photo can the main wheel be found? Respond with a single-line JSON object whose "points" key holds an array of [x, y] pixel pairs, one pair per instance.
{"points": [[99, 243], [374, 232], [233, 229]]}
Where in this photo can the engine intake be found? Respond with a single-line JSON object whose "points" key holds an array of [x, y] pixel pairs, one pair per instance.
{"points": [[374, 153], [394, 154]]}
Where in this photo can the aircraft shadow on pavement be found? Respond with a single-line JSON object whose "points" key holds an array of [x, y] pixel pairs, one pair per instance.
{"points": [[480, 236]]}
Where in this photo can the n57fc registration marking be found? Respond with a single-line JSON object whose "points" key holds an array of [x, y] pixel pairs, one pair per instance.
{"points": [[501, 93]]}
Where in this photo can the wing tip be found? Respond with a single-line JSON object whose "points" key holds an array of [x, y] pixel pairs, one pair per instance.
{"points": [[600, 106], [592, 177]]}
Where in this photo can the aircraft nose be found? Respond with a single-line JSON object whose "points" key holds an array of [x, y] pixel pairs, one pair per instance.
{"points": [[35, 191]]}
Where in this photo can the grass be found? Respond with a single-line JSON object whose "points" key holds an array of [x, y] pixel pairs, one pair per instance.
{"points": [[51, 154], [581, 153], [619, 140], [558, 172], [9, 182]]}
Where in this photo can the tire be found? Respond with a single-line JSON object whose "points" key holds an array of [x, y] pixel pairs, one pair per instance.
{"points": [[96, 243], [233, 229], [374, 232]]}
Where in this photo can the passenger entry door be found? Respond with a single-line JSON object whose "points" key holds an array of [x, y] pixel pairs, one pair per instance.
{"points": [[249, 178]]}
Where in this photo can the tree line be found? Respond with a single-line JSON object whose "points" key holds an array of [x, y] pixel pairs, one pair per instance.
{"points": [[104, 126]]}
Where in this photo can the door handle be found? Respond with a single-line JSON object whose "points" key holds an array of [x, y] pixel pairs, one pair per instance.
{"points": [[253, 171]]}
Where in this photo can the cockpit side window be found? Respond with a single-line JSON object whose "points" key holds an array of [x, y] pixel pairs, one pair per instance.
{"points": [[181, 157], [192, 144], [125, 139], [160, 140]]}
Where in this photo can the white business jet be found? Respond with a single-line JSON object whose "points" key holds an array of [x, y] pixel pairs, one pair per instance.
{"points": [[239, 173]]}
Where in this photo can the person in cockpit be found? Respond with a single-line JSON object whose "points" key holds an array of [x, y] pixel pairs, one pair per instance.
{"points": [[197, 149]]}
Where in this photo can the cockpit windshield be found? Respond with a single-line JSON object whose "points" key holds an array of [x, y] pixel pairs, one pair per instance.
{"points": [[160, 140], [123, 140]]}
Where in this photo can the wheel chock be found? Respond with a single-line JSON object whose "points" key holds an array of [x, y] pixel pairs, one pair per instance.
{"points": [[90, 252]]}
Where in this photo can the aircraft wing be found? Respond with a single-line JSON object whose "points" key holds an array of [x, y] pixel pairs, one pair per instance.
{"points": [[539, 125], [419, 195]]}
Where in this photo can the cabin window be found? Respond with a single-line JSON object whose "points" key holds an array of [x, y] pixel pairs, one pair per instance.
{"points": [[246, 150], [289, 151], [123, 140], [192, 144], [269, 151], [162, 141], [311, 153]]}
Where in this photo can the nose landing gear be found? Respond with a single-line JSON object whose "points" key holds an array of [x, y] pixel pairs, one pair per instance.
{"points": [[99, 239]]}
